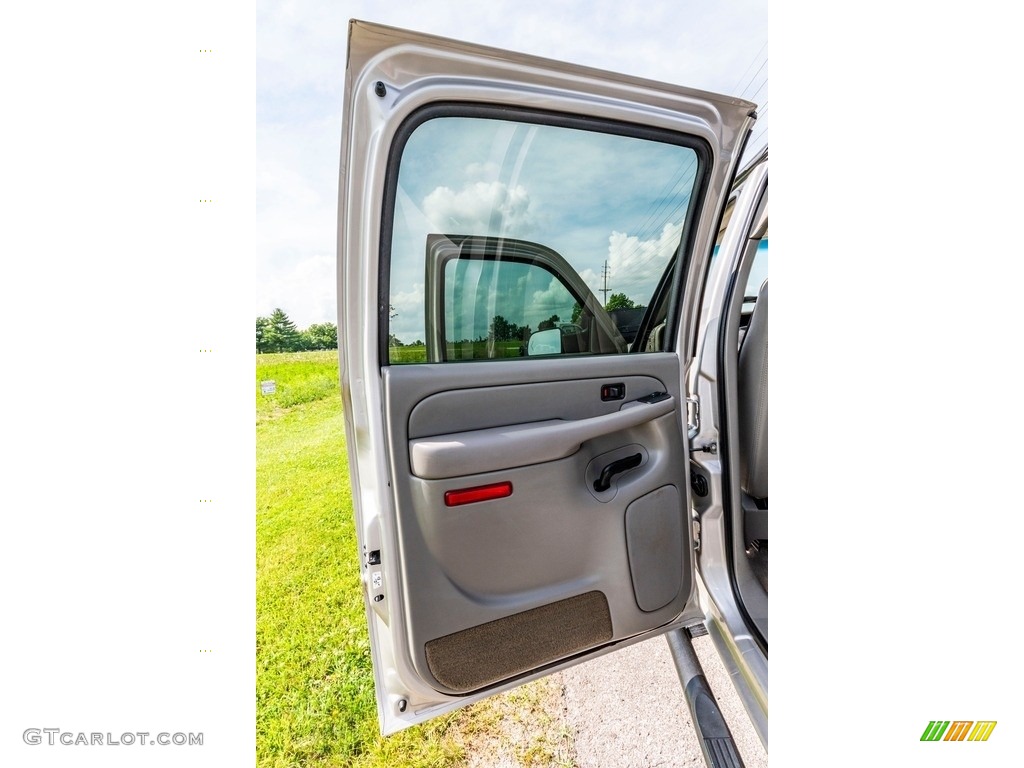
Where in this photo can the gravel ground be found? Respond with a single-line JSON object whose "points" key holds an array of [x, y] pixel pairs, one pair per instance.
{"points": [[627, 710]]}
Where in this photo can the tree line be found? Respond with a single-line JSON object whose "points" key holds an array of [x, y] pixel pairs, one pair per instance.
{"points": [[278, 333]]}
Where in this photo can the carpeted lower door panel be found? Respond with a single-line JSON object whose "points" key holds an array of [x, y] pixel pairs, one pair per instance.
{"points": [[482, 655]]}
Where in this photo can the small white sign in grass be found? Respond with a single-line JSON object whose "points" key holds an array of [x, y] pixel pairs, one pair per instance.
{"points": [[268, 387]]}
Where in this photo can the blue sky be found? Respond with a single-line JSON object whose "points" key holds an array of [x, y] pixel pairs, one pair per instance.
{"points": [[300, 49]]}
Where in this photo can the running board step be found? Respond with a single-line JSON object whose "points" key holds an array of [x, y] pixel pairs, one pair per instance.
{"points": [[713, 733]]}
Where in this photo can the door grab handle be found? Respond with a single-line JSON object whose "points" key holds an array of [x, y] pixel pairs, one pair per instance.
{"points": [[604, 482], [474, 452]]}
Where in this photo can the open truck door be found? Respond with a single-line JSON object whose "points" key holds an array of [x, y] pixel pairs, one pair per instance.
{"points": [[519, 508]]}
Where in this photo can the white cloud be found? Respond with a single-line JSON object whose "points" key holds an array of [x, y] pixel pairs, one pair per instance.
{"points": [[408, 322], [479, 208], [482, 171], [636, 265], [305, 289], [554, 299], [406, 300], [592, 279]]}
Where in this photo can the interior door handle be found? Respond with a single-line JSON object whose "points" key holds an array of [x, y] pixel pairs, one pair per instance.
{"points": [[604, 482]]}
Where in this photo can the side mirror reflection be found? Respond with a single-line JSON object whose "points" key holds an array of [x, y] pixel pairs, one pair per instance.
{"points": [[547, 342]]}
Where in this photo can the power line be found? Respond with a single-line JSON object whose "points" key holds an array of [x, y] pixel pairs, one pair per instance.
{"points": [[763, 64], [656, 220], [756, 55], [754, 140], [762, 85]]}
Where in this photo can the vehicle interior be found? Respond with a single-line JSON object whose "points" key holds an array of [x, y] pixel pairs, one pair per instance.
{"points": [[753, 430], [739, 329]]}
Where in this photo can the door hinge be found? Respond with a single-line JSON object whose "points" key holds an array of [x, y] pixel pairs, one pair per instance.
{"points": [[692, 415]]}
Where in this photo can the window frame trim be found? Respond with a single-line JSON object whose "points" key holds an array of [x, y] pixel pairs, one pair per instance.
{"points": [[509, 113]]}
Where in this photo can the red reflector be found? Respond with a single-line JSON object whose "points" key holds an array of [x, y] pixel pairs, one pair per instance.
{"points": [[480, 493]]}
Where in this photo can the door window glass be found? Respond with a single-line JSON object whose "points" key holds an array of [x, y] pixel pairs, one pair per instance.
{"points": [[503, 229]]}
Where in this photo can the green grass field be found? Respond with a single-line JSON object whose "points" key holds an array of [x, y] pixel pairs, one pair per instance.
{"points": [[474, 350], [314, 684]]}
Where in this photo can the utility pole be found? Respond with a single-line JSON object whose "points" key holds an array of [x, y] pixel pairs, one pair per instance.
{"points": [[604, 274]]}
